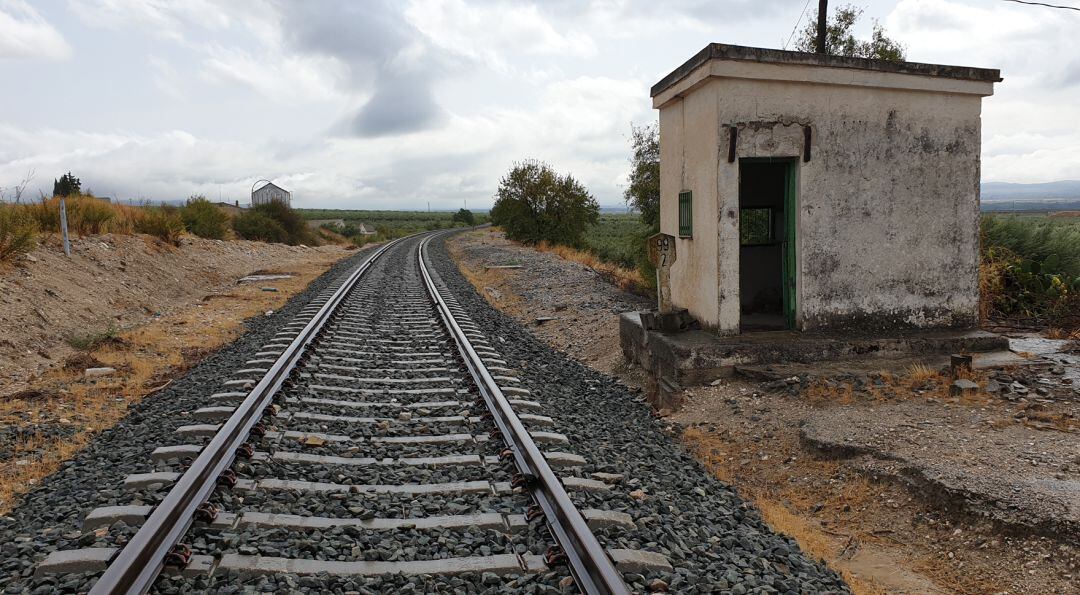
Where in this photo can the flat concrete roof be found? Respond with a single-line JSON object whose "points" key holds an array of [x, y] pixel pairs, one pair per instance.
{"points": [[723, 51]]}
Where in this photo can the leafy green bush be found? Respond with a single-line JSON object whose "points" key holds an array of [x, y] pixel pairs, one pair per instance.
{"points": [[18, 232], [1030, 267], [1037, 238], [535, 204], [204, 219], [257, 225], [464, 216], [162, 222]]}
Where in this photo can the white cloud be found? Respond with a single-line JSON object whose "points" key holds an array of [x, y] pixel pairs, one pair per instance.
{"points": [[383, 104], [25, 34], [166, 18], [280, 77], [487, 32], [1023, 136]]}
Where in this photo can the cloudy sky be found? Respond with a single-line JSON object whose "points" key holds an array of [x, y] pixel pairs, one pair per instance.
{"points": [[369, 104]]}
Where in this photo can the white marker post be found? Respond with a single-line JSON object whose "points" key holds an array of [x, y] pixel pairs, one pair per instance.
{"points": [[661, 248], [64, 227]]}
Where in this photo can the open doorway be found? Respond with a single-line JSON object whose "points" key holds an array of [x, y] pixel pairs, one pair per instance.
{"points": [[766, 244]]}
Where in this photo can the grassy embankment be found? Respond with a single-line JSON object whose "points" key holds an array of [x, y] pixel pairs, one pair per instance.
{"points": [[21, 225]]}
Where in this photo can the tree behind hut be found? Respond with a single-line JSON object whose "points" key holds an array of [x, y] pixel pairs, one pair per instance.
{"points": [[840, 41]]}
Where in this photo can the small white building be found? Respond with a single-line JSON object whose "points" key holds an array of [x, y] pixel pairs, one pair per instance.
{"points": [[270, 192], [821, 192]]}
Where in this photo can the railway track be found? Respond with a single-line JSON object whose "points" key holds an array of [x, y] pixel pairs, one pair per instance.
{"points": [[379, 441]]}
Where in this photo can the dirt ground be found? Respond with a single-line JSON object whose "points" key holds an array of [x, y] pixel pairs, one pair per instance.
{"points": [[896, 483], [147, 311]]}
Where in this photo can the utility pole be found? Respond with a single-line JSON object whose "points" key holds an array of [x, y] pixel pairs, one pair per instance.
{"points": [[822, 14]]}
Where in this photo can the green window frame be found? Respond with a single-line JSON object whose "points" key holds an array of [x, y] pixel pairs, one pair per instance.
{"points": [[686, 214]]}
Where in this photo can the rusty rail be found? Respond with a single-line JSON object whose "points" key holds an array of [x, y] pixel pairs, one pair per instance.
{"points": [[589, 563], [136, 567]]}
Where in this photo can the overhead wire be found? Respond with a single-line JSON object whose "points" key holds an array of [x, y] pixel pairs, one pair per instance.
{"points": [[1030, 3], [796, 27]]}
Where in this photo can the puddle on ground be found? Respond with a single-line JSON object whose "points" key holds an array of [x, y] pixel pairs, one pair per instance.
{"points": [[254, 278], [1050, 349]]}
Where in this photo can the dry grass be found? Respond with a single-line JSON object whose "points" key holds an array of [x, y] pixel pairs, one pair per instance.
{"points": [[918, 382], [1058, 333], [493, 284], [623, 278], [783, 505], [146, 358]]}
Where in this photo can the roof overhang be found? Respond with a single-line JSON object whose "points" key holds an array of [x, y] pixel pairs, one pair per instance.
{"points": [[734, 61]]}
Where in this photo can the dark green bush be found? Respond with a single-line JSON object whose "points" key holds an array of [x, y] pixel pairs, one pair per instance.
{"points": [[1030, 268], [294, 224], [464, 216], [535, 204], [257, 225], [204, 219]]}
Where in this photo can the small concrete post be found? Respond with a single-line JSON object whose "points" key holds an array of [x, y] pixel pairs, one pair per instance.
{"points": [[64, 226], [959, 365], [661, 248]]}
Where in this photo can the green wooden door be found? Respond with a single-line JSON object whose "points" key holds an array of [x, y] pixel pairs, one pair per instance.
{"points": [[791, 212]]}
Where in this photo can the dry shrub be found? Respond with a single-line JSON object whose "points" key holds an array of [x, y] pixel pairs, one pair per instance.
{"points": [[18, 232], [623, 278], [921, 373], [87, 215], [163, 223], [829, 392]]}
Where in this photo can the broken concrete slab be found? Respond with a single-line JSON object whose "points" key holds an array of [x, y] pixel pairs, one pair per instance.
{"points": [[696, 357]]}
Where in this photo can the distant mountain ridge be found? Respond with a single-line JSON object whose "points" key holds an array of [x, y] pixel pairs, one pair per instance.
{"points": [[1013, 191]]}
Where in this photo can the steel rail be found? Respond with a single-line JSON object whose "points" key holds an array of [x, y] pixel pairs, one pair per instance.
{"points": [[589, 563], [137, 565]]}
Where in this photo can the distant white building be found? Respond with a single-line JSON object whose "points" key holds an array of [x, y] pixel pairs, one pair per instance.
{"points": [[270, 192]]}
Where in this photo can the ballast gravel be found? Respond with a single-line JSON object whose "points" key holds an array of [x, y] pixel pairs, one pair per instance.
{"points": [[49, 516], [715, 541]]}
